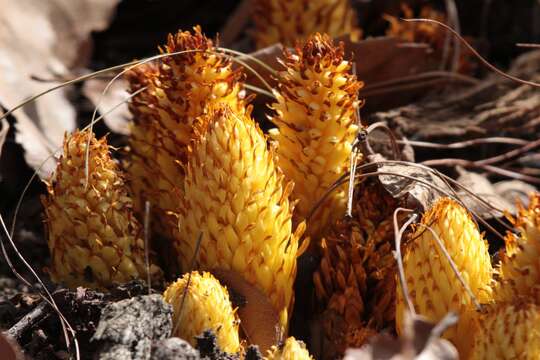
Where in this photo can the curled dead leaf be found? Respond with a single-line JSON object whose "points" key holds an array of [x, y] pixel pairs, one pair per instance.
{"points": [[421, 341], [258, 319], [48, 40]]}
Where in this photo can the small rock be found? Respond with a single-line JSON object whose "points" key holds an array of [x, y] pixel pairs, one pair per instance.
{"points": [[173, 348], [127, 328]]}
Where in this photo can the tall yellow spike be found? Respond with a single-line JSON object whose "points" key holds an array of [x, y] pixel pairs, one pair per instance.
{"points": [[94, 239], [433, 286], [178, 88], [236, 197], [506, 331], [315, 115], [520, 265]]}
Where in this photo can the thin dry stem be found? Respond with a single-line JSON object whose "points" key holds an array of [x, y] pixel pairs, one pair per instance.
{"points": [[398, 233]]}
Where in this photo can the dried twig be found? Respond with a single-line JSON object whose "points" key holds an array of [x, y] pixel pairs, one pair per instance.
{"points": [[398, 233], [29, 320]]}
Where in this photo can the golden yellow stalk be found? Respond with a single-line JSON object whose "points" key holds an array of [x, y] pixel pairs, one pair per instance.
{"points": [[507, 331], [288, 21], [434, 287], [236, 196], [94, 239], [520, 264], [292, 349], [315, 115], [201, 303], [179, 88]]}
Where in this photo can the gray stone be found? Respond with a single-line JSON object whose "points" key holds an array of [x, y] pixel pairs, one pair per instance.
{"points": [[173, 348], [127, 328]]}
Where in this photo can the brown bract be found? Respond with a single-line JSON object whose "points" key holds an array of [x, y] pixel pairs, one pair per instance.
{"points": [[355, 283]]}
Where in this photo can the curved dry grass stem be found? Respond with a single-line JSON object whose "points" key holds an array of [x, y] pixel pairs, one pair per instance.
{"points": [[449, 320], [390, 133], [462, 144], [475, 53], [398, 233], [453, 266], [66, 326]]}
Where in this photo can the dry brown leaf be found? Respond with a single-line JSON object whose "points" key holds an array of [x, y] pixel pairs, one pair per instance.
{"points": [[420, 342], [258, 318], [46, 39], [9, 349], [118, 119]]}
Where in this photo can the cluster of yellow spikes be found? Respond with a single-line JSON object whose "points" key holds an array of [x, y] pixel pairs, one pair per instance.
{"points": [[222, 195], [448, 268], [225, 197]]}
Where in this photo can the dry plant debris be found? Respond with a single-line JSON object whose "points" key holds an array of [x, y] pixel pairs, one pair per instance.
{"points": [[290, 21], [201, 303], [94, 237], [316, 119]]}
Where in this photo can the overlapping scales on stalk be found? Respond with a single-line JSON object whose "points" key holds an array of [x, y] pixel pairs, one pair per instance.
{"points": [[288, 21], [434, 287], [356, 280], [201, 303], [292, 349], [178, 89], [236, 197], [93, 237], [519, 271], [506, 331], [316, 121]]}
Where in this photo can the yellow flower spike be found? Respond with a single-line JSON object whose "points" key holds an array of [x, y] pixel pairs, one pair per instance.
{"points": [[292, 349], [287, 21], [434, 288], [315, 115], [205, 305], [93, 237], [236, 196], [355, 283], [507, 331], [178, 89], [520, 265]]}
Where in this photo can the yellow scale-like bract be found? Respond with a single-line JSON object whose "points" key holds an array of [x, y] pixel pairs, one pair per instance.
{"points": [[287, 21], [507, 331], [356, 280], [520, 264], [315, 115], [179, 88], [292, 349], [237, 198], [94, 239], [205, 305], [434, 288]]}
